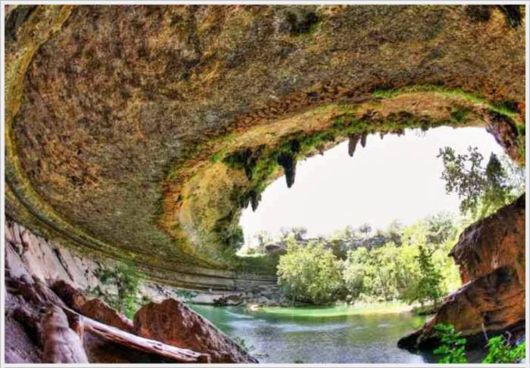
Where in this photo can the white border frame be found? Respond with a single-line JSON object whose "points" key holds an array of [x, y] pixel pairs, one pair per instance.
{"points": [[251, 2]]}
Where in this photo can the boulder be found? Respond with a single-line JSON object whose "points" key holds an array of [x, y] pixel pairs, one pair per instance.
{"points": [[227, 300], [73, 297], [173, 323], [495, 241], [102, 312]]}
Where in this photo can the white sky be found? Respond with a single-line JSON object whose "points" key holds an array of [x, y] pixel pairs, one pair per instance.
{"points": [[394, 178]]}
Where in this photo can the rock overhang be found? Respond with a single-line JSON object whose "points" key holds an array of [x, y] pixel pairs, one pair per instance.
{"points": [[140, 131]]}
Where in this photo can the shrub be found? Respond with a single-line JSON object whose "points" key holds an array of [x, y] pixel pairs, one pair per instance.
{"points": [[500, 351], [452, 348], [309, 273], [452, 345]]}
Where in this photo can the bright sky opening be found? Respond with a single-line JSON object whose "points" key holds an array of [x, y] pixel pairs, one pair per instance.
{"points": [[395, 178]]}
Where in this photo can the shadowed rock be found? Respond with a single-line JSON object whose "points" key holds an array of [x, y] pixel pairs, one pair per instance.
{"points": [[492, 304], [102, 312], [493, 242], [173, 323], [73, 297], [113, 147]]}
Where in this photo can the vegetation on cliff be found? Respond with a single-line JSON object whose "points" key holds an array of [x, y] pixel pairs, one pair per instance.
{"points": [[452, 348], [127, 281]]}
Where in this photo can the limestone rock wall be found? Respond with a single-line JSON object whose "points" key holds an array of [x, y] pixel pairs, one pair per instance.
{"points": [[50, 319], [113, 114]]}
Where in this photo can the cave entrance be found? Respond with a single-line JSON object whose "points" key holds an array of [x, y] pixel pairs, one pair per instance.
{"points": [[203, 207], [389, 180]]}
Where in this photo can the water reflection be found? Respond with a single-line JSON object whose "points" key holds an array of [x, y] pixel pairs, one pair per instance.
{"points": [[365, 338]]}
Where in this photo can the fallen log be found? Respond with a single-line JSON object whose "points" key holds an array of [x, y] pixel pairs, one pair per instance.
{"points": [[127, 339]]}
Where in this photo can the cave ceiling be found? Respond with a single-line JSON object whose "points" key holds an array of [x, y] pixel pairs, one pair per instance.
{"points": [[139, 132]]}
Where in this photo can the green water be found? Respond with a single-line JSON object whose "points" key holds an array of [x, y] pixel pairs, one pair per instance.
{"points": [[319, 335]]}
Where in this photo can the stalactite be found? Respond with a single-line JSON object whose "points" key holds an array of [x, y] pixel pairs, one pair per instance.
{"points": [[255, 197], [352, 143], [363, 140], [243, 201], [288, 161]]}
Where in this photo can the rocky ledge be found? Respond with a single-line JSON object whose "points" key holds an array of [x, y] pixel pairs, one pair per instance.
{"points": [[50, 320], [491, 256]]}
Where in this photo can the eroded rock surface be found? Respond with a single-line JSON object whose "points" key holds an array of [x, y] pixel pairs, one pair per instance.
{"points": [[493, 242], [50, 320], [491, 256], [100, 311], [175, 324], [119, 119]]}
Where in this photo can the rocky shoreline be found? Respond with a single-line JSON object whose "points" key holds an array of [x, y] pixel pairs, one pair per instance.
{"points": [[491, 256], [49, 319]]}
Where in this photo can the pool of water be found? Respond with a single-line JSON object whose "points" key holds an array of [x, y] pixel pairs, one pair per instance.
{"points": [[318, 335]]}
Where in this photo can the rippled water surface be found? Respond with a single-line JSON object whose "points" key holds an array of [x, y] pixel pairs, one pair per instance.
{"points": [[324, 335]]}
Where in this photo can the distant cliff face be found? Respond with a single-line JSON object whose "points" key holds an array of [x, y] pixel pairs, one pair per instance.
{"points": [[139, 132]]}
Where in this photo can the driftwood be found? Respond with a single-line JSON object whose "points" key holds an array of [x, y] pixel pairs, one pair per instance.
{"points": [[118, 336], [61, 344]]}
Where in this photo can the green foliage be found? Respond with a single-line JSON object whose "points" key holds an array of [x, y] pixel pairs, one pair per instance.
{"points": [[410, 264], [500, 351], [482, 190], [381, 273], [309, 273], [127, 281], [418, 269], [452, 345], [452, 348], [429, 285]]}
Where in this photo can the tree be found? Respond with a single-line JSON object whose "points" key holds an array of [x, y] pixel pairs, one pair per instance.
{"points": [[299, 232], [309, 273], [440, 228], [296, 232], [355, 270], [429, 285], [482, 190]]}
